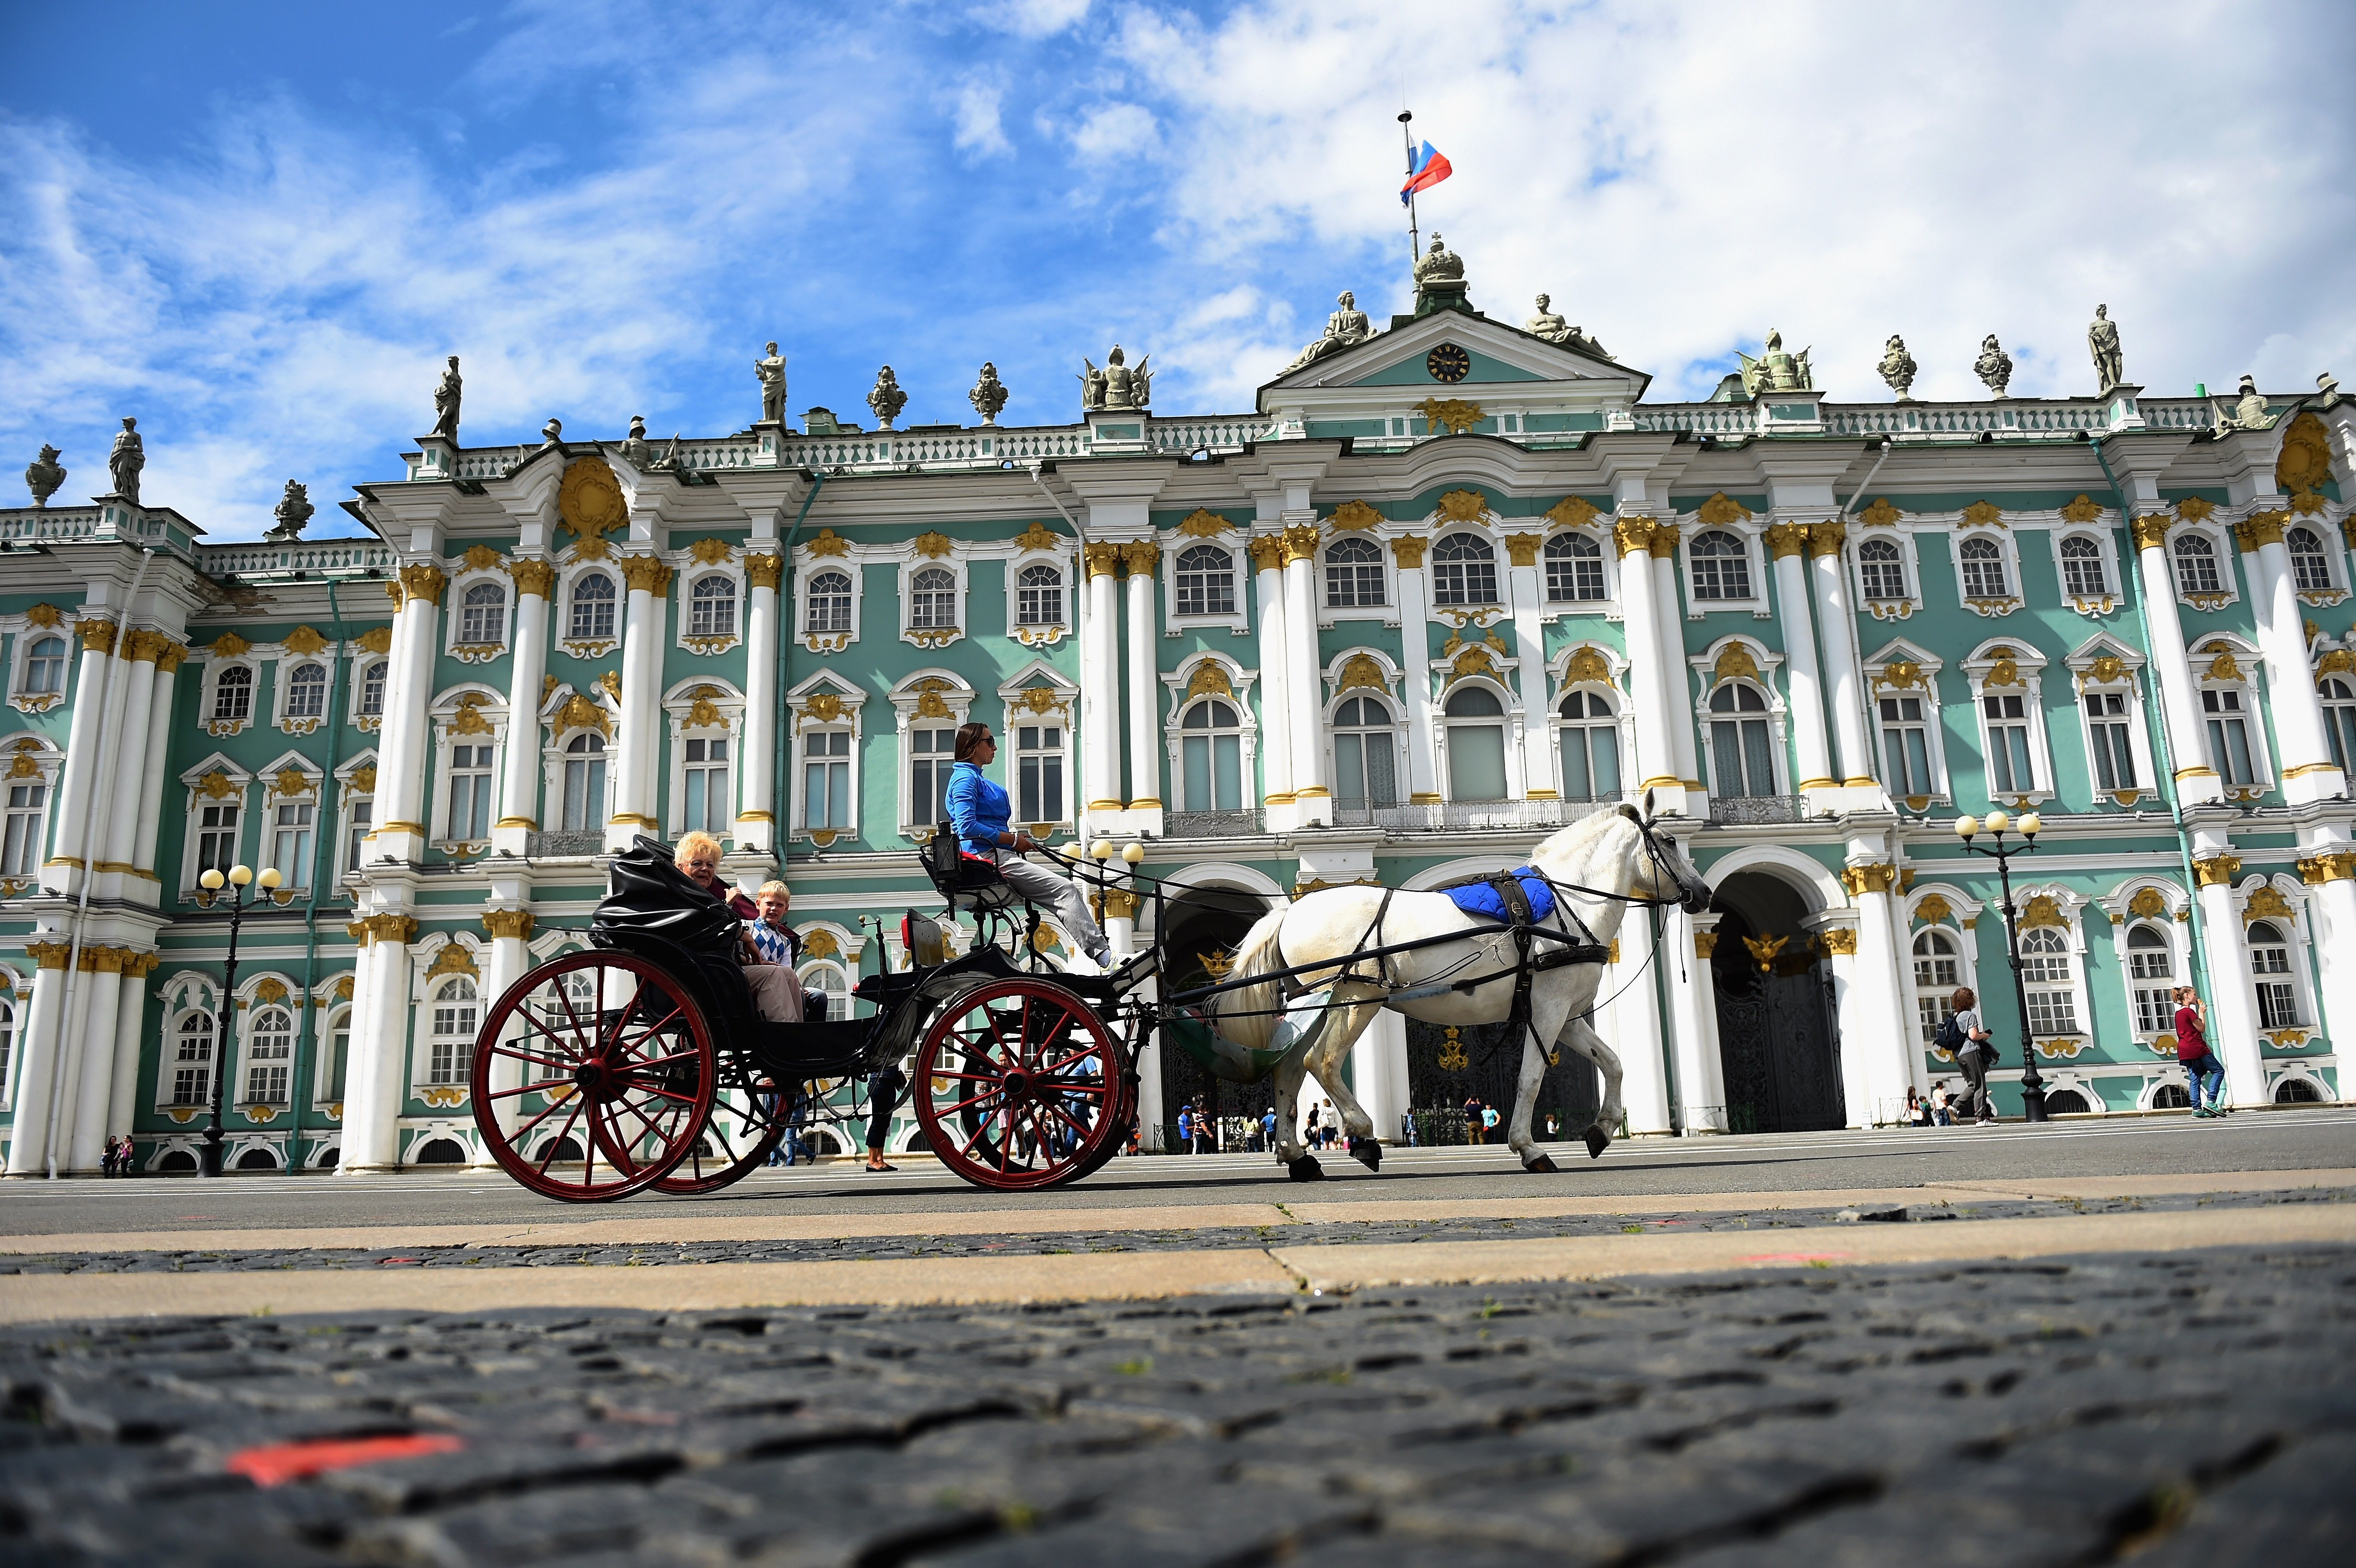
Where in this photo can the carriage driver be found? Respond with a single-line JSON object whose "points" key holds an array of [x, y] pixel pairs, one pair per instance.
{"points": [[978, 811], [777, 989]]}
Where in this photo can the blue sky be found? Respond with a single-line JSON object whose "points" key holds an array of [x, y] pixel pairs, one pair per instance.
{"points": [[258, 228]]}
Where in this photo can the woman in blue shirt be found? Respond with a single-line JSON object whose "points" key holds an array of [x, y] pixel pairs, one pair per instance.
{"points": [[979, 814]]}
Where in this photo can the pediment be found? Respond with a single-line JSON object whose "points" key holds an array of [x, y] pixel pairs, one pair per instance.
{"points": [[1500, 356]]}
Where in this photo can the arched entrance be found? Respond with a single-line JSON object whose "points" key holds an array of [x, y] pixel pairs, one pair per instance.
{"points": [[1447, 1065], [1201, 929], [1776, 1036]]}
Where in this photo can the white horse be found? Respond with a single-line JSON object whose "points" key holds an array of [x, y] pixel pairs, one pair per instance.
{"points": [[1614, 856]]}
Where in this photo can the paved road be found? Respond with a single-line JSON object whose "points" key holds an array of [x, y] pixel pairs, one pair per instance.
{"points": [[2198, 1408], [1766, 1164]]}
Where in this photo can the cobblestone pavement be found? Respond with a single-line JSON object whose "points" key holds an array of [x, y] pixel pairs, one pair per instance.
{"points": [[2195, 1408], [558, 1253]]}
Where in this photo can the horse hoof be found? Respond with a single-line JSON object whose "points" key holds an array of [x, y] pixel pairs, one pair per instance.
{"points": [[1597, 1140], [1542, 1166], [1368, 1152], [1305, 1168]]}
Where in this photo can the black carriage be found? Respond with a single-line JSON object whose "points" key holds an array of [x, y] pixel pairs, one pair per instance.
{"points": [[640, 1061]]}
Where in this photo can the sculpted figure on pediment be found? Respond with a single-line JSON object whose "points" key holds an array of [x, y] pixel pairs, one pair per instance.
{"points": [[1776, 371], [1546, 324], [293, 509], [130, 455], [1347, 327], [2103, 343], [771, 369], [446, 395], [2249, 409], [1116, 387]]}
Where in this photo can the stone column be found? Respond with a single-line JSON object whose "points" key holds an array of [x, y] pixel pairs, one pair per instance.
{"points": [[1275, 684], [1524, 595], [1312, 801], [1811, 744], [375, 1079], [511, 931], [1415, 668], [148, 889], [78, 779], [130, 1018], [2332, 875], [133, 763], [1848, 1004], [1652, 673], [28, 1142], [1635, 1032], [520, 783], [2305, 765], [1693, 1010], [1844, 680], [1140, 557], [1117, 912], [2232, 998], [757, 816], [1378, 1074], [638, 739], [1873, 1022], [1670, 620], [1100, 685], [92, 1027], [402, 743], [2179, 705]]}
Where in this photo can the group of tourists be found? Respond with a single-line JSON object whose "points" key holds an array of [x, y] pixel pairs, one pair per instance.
{"points": [[1965, 1034]]}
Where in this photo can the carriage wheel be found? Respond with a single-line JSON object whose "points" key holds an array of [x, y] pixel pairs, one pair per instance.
{"points": [[594, 1076], [1017, 1084], [749, 1113]]}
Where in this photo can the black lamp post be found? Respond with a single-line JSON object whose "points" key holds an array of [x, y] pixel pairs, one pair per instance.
{"points": [[209, 886], [2033, 1086]]}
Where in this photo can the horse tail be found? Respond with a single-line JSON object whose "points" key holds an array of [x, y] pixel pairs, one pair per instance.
{"points": [[1248, 1015]]}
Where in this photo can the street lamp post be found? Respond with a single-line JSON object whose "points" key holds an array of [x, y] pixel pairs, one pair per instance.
{"points": [[209, 886], [2033, 1086]]}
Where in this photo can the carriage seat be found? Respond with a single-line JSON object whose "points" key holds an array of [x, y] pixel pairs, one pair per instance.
{"points": [[966, 881]]}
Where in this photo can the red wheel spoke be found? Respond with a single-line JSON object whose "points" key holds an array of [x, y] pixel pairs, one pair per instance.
{"points": [[543, 1085], [561, 1134], [961, 1104], [509, 1052]]}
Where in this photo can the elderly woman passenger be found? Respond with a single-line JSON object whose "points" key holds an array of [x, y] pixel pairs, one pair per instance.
{"points": [[777, 989]]}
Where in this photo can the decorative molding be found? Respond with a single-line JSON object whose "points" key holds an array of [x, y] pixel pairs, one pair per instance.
{"points": [[1034, 538], [1787, 539], [1587, 666], [1877, 878], [1721, 509], [1361, 671], [1933, 907], [1210, 679], [1572, 512], [933, 546], [710, 551], [764, 571], [1199, 524], [645, 574], [1456, 413], [1300, 543], [301, 640], [589, 499], [2042, 910], [2217, 870], [1407, 553], [1734, 662], [1984, 515], [514, 923], [2194, 510], [2266, 903], [2150, 530], [1840, 941], [1462, 507], [1522, 549], [1349, 517], [829, 542], [454, 959]]}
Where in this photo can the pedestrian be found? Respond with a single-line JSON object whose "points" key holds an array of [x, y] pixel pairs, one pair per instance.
{"points": [[1308, 1128], [1406, 1128], [1268, 1129], [1206, 1131], [1974, 1053], [106, 1156], [1472, 1118], [1913, 1107], [2199, 1064], [1185, 1128], [1489, 1120], [1940, 1106]]}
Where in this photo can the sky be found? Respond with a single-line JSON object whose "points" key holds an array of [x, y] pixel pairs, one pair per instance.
{"points": [[259, 227]]}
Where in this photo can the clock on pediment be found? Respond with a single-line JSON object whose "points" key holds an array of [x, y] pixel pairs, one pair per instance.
{"points": [[1448, 363]]}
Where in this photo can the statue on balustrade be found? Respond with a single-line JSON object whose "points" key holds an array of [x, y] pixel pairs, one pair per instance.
{"points": [[293, 509], [43, 475], [635, 450], [1775, 370], [1546, 324], [772, 372], [126, 460], [446, 395], [1345, 329], [1993, 366], [1116, 388], [1898, 368], [2249, 409], [887, 399], [2103, 342], [988, 394]]}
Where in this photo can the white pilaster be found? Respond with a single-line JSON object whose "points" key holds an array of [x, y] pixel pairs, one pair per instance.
{"points": [[2305, 763], [29, 1143], [76, 780], [118, 838], [520, 783], [638, 739], [1415, 610], [99, 1003], [1670, 622], [1541, 777], [2233, 998], [1650, 672], [130, 1013], [1844, 680], [1100, 685], [1275, 684], [508, 959], [146, 888], [1312, 800], [2179, 705], [1811, 742], [2332, 873], [1873, 1018], [756, 814], [1849, 1003], [1378, 1074], [1636, 1032], [1693, 1013], [374, 1079], [1141, 557], [400, 827]]}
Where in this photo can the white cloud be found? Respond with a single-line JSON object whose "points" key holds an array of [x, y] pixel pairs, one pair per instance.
{"points": [[1113, 131], [974, 111], [1031, 18]]}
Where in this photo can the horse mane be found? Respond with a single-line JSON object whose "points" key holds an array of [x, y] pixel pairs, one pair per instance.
{"points": [[1256, 1005], [1561, 848]]}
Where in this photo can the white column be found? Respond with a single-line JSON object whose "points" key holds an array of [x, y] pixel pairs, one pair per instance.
{"points": [[93, 1042], [2332, 914], [1141, 556], [130, 1015], [29, 1143], [1693, 1011], [374, 1079], [1844, 682], [1848, 1002], [1811, 743], [400, 827], [1636, 1033], [1651, 673], [756, 813], [2232, 999], [1378, 1074], [133, 763], [2305, 763], [1275, 684], [520, 781], [77, 780], [359, 1049], [638, 739], [1312, 799], [151, 787], [509, 957], [1873, 1018], [1670, 622], [2180, 706], [1539, 776], [1099, 684], [1415, 668]]}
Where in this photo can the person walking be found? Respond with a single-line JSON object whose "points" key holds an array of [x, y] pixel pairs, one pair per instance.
{"points": [[2199, 1064], [1268, 1129], [1407, 1129], [1941, 1108], [1489, 1119], [1186, 1128], [1975, 1054]]}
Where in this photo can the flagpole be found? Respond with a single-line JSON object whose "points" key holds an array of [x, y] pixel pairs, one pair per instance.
{"points": [[1414, 239]]}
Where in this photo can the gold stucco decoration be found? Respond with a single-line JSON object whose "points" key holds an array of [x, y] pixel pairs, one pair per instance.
{"points": [[930, 703], [304, 640], [709, 553], [1043, 699], [1587, 667], [1352, 516], [422, 584], [1735, 663], [1139, 556], [820, 944], [1362, 670], [364, 780], [1522, 549], [1719, 510], [45, 614], [479, 558], [515, 922], [1462, 507], [1572, 512], [1898, 674], [2005, 671], [645, 574], [1881, 515], [230, 645], [826, 707], [2217, 870], [1102, 559], [1474, 659], [2042, 909], [580, 713], [1035, 538], [704, 714], [764, 571], [1210, 679], [1932, 908], [2081, 510], [469, 719], [1199, 524], [1840, 942], [292, 783], [1407, 553], [2194, 510], [2149, 903], [589, 499], [933, 546], [453, 959], [2266, 903], [2224, 666], [216, 785], [1456, 413], [2108, 669], [377, 640], [1766, 950], [829, 542], [1984, 515]]}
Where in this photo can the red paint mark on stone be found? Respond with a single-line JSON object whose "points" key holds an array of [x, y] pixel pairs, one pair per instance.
{"points": [[275, 1464], [399, 1260]]}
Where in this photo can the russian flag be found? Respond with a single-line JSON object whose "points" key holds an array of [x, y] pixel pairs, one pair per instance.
{"points": [[1427, 168]]}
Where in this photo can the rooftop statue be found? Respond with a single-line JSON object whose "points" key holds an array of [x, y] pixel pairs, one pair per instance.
{"points": [[446, 394], [126, 460], [1439, 263], [552, 432], [2249, 409], [1115, 386], [1775, 370], [988, 394], [2103, 343], [1898, 368], [293, 509], [2327, 387], [42, 476], [1346, 328], [1555, 329], [1993, 366], [772, 372], [887, 399], [635, 451]]}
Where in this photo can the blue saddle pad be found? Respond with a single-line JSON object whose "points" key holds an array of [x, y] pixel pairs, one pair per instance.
{"points": [[1481, 899]]}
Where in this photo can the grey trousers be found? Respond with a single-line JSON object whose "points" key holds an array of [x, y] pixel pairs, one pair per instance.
{"points": [[1059, 896], [776, 992], [1975, 1102]]}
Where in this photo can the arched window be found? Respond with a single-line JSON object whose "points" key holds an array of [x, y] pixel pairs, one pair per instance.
{"points": [[450, 1057], [482, 616], [2297, 1092], [1938, 970], [2151, 970], [712, 608], [45, 668], [1463, 571], [1476, 745], [2045, 975], [593, 609], [584, 782], [1354, 574], [306, 691], [192, 1056], [2228, 723], [1206, 581], [1722, 565], [2082, 569], [2340, 720], [932, 599], [1574, 568], [290, 839], [1741, 746], [338, 1059], [269, 1052], [1590, 747], [828, 981], [2311, 568], [372, 689], [1883, 566], [28, 805], [829, 603], [1905, 746], [1983, 561], [1365, 773], [2010, 767], [2270, 964], [8, 1036], [1039, 596], [1210, 757], [233, 693], [2196, 565]]}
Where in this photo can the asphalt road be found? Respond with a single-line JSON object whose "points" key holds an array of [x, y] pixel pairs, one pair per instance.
{"points": [[2272, 1140]]}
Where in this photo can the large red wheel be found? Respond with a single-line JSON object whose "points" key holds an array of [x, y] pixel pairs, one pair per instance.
{"points": [[748, 1122], [1017, 1084], [594, 1076]]}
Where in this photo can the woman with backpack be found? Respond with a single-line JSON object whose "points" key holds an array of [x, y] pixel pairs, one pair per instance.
{"points": [[1964, 1035]]}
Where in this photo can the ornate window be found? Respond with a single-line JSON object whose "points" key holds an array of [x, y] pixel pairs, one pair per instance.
{"points": [[591, 620], [1039, 596], [192, 1060], [1574, 569], [1476, 745], [2270, 964], [1038, 773], [1354, 574], [1205, 580], [828, 981], [1906, 747], [269, 1055], [2045, 973], [1983, 561], [1590, 747], [1366, 771], [2228, 723], [825, 779], [2340, 720], [707, 797], [2011, 770], [1742, 744], [584, 782], [28, 809], [290, 841], [482, 616], [1210, 757], [45, 668], [8, 1036], [372, 689], [2196, 565], [217, 834], [2151, 974], [450, 1049], [470, 793], [1882, 567], [829, 598], [711, 607], [1463, 571], [1722, 565], [931, 755], [2310, 566], [233, 694], [1938, 972], [932, 599], [306, 691], [2082, 576], [2109, 731], [336, 1061]]}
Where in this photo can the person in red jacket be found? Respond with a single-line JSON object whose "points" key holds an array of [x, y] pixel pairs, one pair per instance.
{"points": [[2200, 1064]]}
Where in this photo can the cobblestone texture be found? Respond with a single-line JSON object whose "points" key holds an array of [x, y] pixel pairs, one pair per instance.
{"points": [[1012, 1244], [2195, 1408]]}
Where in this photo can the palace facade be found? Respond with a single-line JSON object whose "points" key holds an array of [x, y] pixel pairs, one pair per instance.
{"points": [[1447, 587]]}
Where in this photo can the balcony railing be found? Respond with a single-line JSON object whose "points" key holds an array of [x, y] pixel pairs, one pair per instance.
{"points": [[1753, 810], [1467, 816], [1238, 824]]}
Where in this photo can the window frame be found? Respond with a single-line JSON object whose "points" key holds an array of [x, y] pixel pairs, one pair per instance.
{"points": [[559, 753], [2028, 663], [1210, 734], [571, 578], [443, 715], [364, 659], [1433, 570], [465, 649], [216, 671], [1755, 568], [2223, 550], [1382, 608], [33, 759], [847, 705], [1041, 634], [2071, 932], [2291, 911], [24, 633], [2331, 558], [946, 690], [1017, 707], [1509, 722], [838, 556], [711, 640], [2209, 658], [432, 993], [34, 639], [1240, 574], [1393, 729], [680, 707], [2130, 685], [1619, 724], [1551, 608], [240, 793], [2106, 556], [2339, 717], [250, 1012], [1778, 767], [1910, 565], [912, 565], [2008, 558]]}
